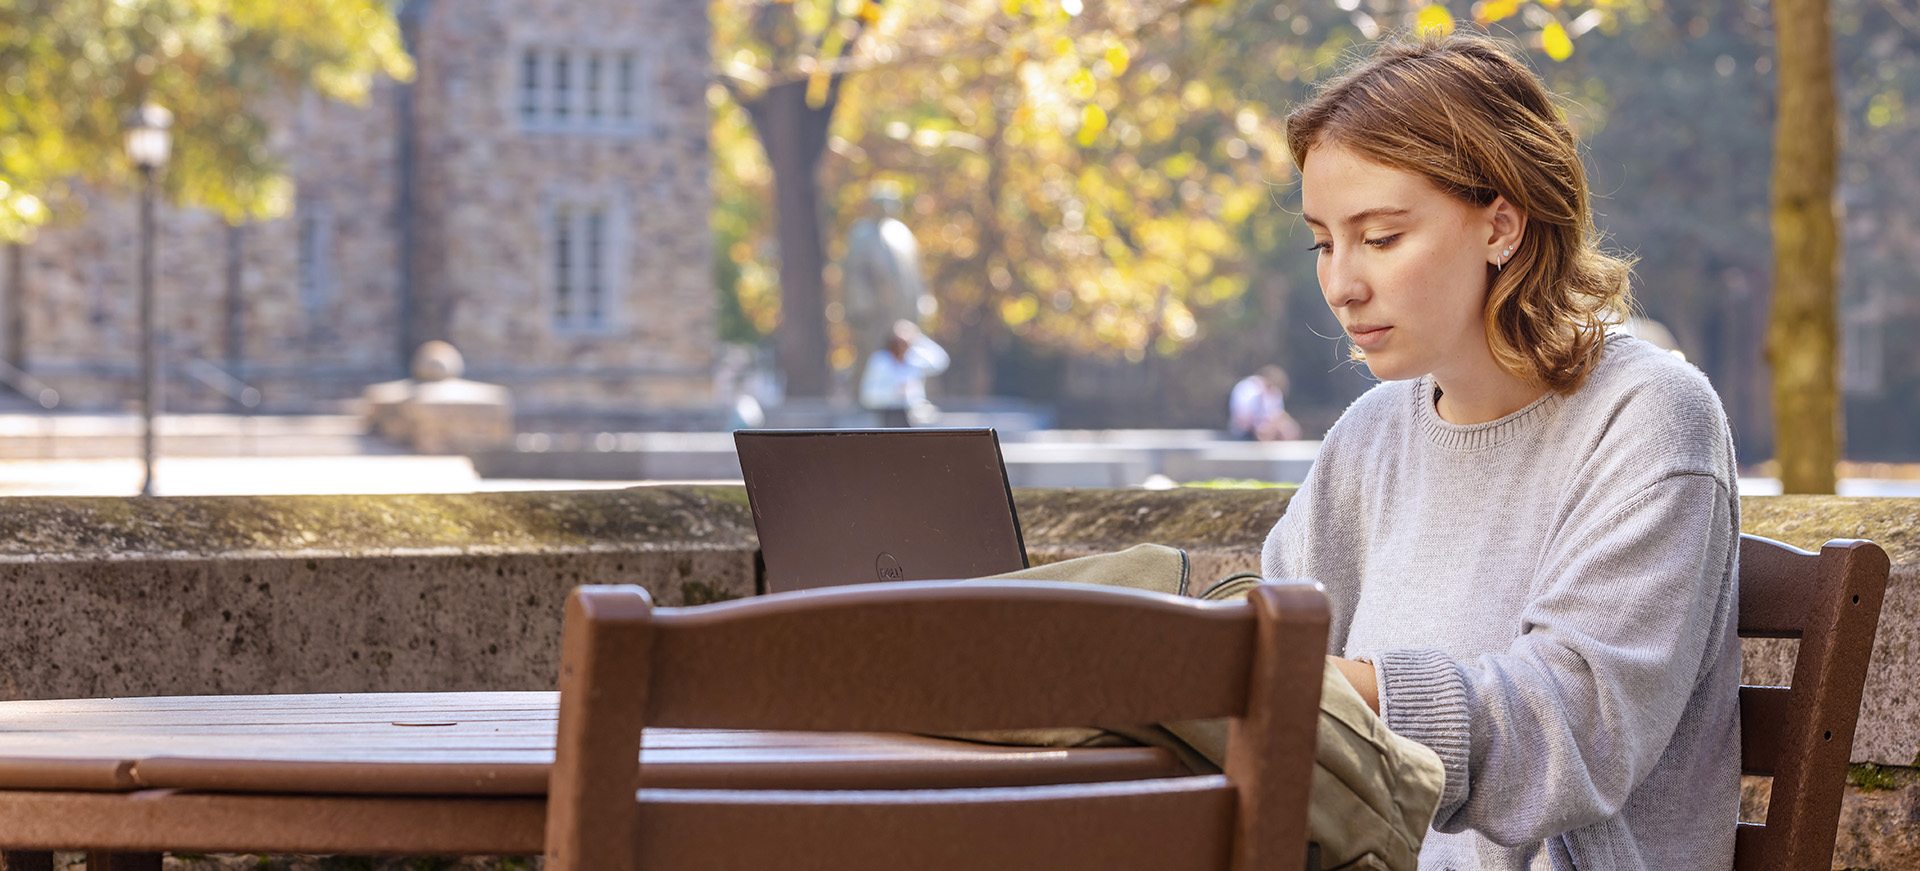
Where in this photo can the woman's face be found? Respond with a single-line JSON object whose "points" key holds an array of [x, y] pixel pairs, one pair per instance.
{"points": [[1402, 264]]}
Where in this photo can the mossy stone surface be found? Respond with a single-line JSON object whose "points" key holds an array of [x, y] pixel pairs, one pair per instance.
{"points": [[1868, 777], [90, 528], [179, 596], [1808, 521], [1180, 517], [456, 556], [1220, 529]]}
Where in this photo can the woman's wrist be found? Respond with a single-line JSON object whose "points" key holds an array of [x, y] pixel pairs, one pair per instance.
{"points": [[1361, 675]]}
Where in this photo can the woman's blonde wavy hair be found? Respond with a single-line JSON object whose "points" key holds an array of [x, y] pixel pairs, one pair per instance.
{"points": [[1461, 111]]}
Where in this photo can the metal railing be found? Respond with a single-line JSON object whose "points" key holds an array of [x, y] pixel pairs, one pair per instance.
{"points": [[223, 383], [28, 386]]}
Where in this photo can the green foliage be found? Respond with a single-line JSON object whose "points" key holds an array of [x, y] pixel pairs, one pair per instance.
{"points": [[1066, 184], [746, 272], [1087, 178], [1239, 484], [71, 71]]}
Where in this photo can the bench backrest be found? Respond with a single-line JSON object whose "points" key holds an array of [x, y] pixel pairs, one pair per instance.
{"points": [[939, 656], [1803, 735]]}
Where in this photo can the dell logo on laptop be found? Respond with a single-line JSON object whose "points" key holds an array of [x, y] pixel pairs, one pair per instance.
{"points": [[888, 568]]}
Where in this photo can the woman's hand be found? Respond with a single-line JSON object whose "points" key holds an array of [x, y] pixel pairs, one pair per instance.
{"points": [[1360, 673]]}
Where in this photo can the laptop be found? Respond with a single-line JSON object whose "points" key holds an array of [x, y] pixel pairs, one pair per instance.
{"points": [[857, 506]]}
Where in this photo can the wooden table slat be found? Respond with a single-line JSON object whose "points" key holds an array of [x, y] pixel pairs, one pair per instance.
{"points": [[294, 703], [158, 820], [351, 745], [477, 748]]}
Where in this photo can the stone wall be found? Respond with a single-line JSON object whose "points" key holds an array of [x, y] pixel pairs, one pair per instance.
{"points": [[492, 180], [115, 597], [299, 343], [392, 593], [323, 304]]}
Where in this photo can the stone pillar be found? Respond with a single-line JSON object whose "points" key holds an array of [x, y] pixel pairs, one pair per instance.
{"points": [[437, 411]]}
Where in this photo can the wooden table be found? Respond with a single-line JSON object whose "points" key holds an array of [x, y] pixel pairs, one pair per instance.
{"points": [[413, 773]]}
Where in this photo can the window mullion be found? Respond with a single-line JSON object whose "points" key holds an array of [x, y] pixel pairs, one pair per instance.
{"points": [[562, 296]]}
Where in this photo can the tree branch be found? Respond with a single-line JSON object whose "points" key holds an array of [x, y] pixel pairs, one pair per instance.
{"points": [[1903, 16]]}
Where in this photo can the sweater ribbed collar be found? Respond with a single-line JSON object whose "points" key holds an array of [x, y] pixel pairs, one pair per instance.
{"points": [[1478, 436]]}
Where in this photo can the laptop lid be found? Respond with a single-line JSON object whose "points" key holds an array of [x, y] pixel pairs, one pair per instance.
{"points": [[855, 506]]}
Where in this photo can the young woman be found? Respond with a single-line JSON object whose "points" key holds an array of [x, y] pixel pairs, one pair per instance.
{"points": [[1528, 530]]}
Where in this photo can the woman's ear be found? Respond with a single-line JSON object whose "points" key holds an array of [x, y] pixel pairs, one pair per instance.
{"points": [[1507, 225]]}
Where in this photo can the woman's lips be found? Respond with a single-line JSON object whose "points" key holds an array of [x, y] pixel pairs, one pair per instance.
{"points": [[1368, 336]]}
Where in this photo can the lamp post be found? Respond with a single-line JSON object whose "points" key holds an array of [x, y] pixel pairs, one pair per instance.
{"points": [[148, 145]]}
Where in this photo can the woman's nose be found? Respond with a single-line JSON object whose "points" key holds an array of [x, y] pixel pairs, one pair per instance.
{"points": [[1341, 283]]}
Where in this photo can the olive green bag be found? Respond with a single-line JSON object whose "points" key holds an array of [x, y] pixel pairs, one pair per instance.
{"points": [[1374, 792]]}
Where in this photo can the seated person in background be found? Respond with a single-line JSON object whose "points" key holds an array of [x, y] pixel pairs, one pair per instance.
{"points": [[1528, 531], [1257, 407], [895, 380]]}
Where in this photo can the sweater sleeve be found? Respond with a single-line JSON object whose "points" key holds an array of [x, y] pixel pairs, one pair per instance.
{"points": [[1281, 554], [1317, 522], [1555, 732]]}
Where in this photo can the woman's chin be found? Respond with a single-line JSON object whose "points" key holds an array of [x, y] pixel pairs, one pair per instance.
{"points": [[1385, 370]]}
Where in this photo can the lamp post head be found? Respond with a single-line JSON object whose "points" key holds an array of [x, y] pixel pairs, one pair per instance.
{"points": [[149, 141]]}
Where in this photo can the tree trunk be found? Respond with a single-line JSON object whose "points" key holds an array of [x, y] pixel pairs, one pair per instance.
{"points": [[978, 319], [13, 308], [234, 321], [1802, 345], [794, 135]]}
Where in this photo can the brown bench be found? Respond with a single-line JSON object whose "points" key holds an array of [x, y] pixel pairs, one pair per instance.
{"points": [[1802, 735]]}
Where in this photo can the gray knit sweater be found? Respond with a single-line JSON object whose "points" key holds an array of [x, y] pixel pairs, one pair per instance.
{"points": [[1548, 599]]}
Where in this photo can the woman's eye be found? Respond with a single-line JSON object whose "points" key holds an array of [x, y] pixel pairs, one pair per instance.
{"points": [[1321, 247], [1384, 241]]}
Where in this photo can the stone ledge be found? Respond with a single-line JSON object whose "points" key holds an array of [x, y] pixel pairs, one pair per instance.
{"points": [[338, 593], [398, 593], [188, 557], [1221, 530], [93, 529], [1808, 521]]}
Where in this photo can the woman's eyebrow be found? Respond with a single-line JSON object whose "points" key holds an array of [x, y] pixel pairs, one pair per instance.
{"points": [[1363, 215]]}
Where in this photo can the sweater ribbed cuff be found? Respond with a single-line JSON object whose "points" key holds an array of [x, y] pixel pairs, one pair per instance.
{"points": [[1424, 697]]}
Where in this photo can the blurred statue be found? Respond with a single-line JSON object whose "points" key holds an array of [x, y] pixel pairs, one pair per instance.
{"points": [[881, 281]]}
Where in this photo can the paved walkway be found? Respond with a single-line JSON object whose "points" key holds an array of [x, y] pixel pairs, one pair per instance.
{"points": [[261, 476], [218, 454], [232, 476], [1846, 487]]}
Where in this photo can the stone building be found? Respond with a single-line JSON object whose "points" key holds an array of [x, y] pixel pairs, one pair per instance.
{"points": [[538, 196]]}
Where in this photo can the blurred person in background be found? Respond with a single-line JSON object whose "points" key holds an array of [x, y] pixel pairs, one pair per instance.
{"points": [[895, 380], [1257, 407]]}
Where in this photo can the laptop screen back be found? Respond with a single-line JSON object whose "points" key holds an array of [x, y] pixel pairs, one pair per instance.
{"points": [[856, 506]]}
